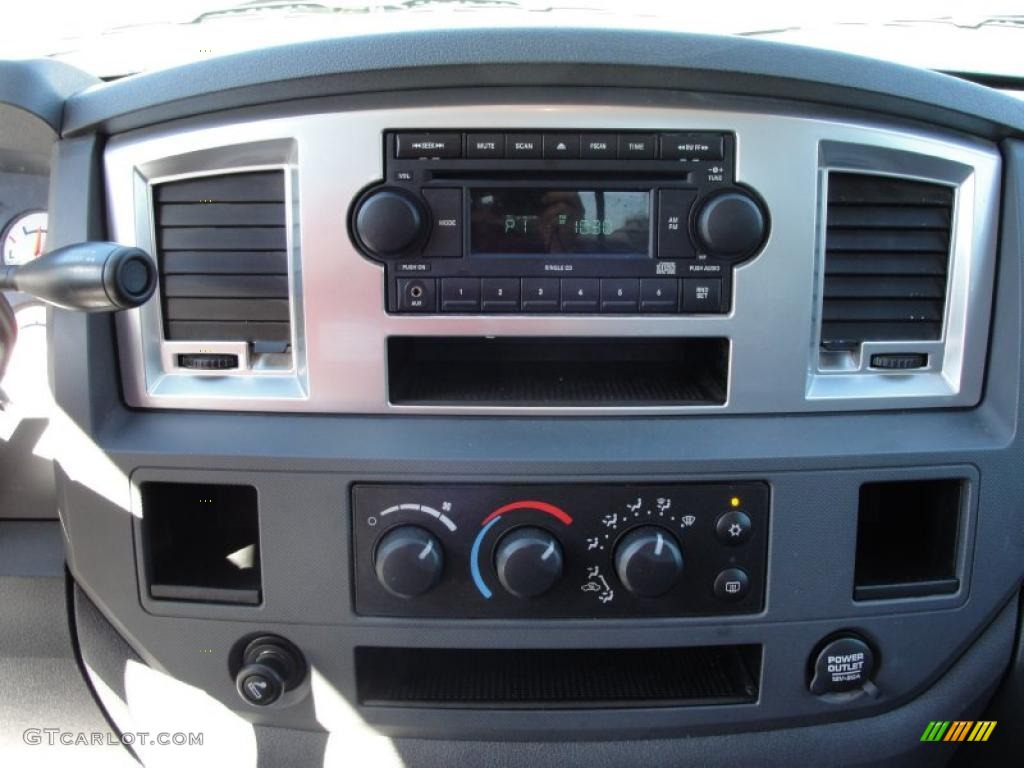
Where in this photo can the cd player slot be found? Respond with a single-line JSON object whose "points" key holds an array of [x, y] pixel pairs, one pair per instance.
{"points": [[568, 174], [544, 372]]}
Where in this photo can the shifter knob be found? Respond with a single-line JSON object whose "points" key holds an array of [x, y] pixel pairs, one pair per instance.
{"points": [[93, 277]]}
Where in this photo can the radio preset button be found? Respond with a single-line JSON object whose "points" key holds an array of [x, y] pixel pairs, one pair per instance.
{"points": [[540, 294], [660, 294], [635, 146], [428, 145], [598, 145], [445, 223], [620, 295], [460, 294], [580, 294], [499, 294], [417, 295], [561, 146], [522, 146], [702, 296], [692, 146], [485, 145], [673, 223]]}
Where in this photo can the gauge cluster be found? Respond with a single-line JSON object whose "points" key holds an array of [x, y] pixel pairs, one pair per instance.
{"points": [[25, 238], [23, 215]]}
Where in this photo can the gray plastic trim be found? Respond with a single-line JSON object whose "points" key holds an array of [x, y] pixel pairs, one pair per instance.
{"points": [[497, 59], [772, 325]]}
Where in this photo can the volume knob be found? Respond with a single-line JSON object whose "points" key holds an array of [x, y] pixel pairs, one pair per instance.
{"points": [[731, 225], [408, 560], [648, 561], [389, 222]]}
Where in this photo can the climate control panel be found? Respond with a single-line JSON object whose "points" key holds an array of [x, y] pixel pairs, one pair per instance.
{"points": [[569, 551]]}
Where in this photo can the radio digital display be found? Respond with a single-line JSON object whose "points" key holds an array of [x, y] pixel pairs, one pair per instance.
{"points": [[522, 221]]}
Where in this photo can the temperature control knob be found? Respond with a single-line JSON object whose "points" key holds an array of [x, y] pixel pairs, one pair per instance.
{"points": [[731, 225], [389, 222], [648, 561], [528, 561], [408, 560]]}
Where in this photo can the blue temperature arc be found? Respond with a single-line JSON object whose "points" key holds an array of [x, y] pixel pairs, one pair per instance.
{"points": [[474, 559]]}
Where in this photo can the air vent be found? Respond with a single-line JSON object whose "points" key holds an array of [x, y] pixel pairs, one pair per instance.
{"points": [[223, 259], [886, 260]]}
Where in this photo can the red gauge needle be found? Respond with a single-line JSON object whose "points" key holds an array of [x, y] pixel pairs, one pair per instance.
{"points": [[39, 242]]}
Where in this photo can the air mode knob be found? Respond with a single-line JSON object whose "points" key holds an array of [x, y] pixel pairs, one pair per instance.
{"points": [[389, 222], [648, 561], [528, 561], [731, 225], [408, 560]]}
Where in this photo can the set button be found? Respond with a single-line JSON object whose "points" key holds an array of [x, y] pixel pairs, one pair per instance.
{"points": [[702, 296]]}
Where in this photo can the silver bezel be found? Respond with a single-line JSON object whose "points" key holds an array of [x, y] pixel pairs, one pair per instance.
{"points": [[339, 312], [281, 376]]}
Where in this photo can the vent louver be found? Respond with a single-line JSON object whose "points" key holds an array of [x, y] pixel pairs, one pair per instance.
{"points": [[886, 260], [221, 246]]}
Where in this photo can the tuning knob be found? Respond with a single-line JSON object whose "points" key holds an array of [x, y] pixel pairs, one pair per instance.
{"points": [[409, 561], [389, 222], [731, 225], [648, 561], [528, 561]]}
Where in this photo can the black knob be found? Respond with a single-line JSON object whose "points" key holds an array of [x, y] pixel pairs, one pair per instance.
{"points": [[389, 222], [528, 561], [409, 561], [270, 666], [648, 561], [93, 277], [731, 225]]}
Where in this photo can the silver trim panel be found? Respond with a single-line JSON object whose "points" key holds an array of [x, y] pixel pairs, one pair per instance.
{"points": [[338, 304]]}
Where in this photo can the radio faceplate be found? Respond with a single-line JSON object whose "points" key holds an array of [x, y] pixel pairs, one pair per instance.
{"points": [[564, 222], [571, 551]]}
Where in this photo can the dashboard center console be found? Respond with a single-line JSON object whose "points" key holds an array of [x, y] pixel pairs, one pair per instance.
{"points": [[597, 222]]}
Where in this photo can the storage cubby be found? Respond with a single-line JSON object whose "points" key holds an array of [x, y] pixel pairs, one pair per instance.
{"points": [[907, 538], [524, 372], [542, 678], [200, 542]]}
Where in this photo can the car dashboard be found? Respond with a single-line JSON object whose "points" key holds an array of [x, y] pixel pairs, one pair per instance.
{"points": [[578, 397]]}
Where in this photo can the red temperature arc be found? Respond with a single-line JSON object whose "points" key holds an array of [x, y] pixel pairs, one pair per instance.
{"points": [[540, 506]]}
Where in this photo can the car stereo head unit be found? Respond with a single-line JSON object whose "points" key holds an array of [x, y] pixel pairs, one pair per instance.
{"points": [[612, 223]]}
